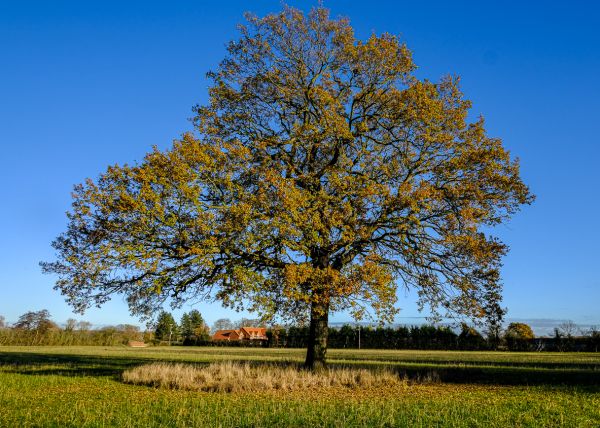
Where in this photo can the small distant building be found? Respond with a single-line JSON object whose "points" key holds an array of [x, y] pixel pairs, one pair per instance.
{"points": [[242, 334]]}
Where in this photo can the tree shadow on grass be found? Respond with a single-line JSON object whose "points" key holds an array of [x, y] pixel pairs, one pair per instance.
{"points": [[66, 364], [516, 374], [94, 365]]}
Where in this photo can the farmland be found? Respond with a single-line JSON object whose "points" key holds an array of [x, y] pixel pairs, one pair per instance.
{"points": [[82, 386]]}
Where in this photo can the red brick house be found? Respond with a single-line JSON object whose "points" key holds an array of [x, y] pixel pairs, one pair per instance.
{"points": [[244, 333]]}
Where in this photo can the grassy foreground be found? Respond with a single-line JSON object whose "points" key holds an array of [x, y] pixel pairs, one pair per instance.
{"points": [[82, 387]]}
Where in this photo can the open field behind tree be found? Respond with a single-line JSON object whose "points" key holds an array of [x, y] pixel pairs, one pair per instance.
{"points": [[82, 386]]}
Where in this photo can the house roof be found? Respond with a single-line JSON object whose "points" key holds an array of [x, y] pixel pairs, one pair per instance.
{"points": [[226, 335], [255, 331], [242, 333]]}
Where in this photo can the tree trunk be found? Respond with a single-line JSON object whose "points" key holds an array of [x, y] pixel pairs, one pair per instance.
{"points": [[317, 336]]}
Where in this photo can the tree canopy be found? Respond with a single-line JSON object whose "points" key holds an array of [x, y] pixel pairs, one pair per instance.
{"points": [[166, 328], [193, 327], [222, 324], [322, 174], [519, 330], [36, 321]]}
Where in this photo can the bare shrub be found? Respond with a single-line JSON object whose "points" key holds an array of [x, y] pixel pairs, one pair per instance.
{"points": [[239, 377]]}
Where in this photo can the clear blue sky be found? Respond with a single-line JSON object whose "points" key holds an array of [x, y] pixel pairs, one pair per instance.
{"points": [[84, 84]]}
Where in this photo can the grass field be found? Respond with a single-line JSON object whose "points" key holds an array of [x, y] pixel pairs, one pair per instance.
{"points": [[82, 387]]}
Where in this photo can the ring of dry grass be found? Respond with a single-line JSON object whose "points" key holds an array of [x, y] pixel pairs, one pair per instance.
{"points": [[240, 377]]}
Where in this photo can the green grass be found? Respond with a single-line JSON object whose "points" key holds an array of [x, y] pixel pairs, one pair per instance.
{"points": [[82, 387]]}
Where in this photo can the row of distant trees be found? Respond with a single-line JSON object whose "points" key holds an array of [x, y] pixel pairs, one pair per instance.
{"points": [[37, 328], [567, 337], [516, 337]]}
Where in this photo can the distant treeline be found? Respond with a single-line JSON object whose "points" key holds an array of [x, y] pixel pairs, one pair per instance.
{"points": [[415, 337], [36, 328], [428, 337], [105, 336]]}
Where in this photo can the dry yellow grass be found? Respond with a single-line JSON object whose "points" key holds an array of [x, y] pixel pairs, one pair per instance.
{"points": [[239, 377]]}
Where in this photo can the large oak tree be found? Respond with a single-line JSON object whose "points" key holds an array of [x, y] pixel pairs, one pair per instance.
{"points": [[322, 176]]}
